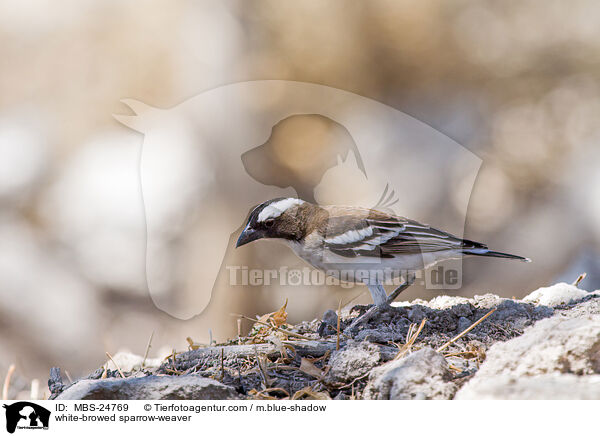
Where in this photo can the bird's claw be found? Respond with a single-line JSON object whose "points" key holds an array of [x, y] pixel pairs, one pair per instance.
{"points": [[378, 309], [373, 311]]}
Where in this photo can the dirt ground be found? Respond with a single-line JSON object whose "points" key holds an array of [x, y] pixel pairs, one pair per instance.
{"points": [[311, 360]]}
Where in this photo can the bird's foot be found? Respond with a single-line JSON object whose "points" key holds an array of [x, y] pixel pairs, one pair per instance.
{"points": [[378, 309], [371, 313]]}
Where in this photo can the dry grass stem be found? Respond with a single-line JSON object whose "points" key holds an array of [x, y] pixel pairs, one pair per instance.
{"points": [[147, 349], [263, 370], [579, 279], [115, 363], [287, 332], [6, 386], [222, 365], [411, 337]]}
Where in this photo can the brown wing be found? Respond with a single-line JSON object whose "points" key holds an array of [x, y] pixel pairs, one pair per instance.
{"points": [[377, 234]]}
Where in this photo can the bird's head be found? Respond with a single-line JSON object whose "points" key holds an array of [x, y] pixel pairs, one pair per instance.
{"points": [[280, 218]]}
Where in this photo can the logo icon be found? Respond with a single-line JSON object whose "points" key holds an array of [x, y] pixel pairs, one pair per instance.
{"points": [[26, 415]]}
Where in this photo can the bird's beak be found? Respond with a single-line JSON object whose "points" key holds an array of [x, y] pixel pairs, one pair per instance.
{"points": [[248, 235]]}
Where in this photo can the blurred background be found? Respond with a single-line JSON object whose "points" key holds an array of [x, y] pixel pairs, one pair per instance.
{"points": [[516, 83]]}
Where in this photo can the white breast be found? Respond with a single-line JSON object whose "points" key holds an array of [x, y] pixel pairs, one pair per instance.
{"points": [[389, 268]]}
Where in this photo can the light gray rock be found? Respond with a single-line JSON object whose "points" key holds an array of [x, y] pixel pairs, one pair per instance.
{"points": [[422, 375], [582, 310], [551, 345], [555, 357], [128, 362], [352, 361], [448, 301], [555, 295], [543, 387], [186, 387]]}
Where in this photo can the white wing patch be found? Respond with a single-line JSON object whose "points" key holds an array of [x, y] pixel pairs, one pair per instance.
{"points": [[373, 243], [275, 209], [350, 236], [366, 236]]}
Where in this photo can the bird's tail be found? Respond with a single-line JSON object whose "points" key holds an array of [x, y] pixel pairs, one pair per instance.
{"points": [[489, 253]]}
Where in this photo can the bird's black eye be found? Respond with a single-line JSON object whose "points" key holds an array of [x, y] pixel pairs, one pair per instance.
{"points": [[269, 223]]}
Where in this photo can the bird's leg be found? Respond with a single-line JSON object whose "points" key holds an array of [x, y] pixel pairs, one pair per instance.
{"points": [[408, 281], [378, 293], [382, 303]]}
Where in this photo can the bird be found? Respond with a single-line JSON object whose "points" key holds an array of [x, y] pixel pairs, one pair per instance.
{"points": [[357, 244]]}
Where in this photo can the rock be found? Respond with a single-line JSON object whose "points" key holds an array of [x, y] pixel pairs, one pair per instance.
{"points": [[185, 387], [583, 309], [558, 348], [544, 387], [463, 324], [341, 396], [328, 325], [551, 345], [555, 295], [416, 314], [421, 375], [511, 310], [487, 301], [330, 317], [381, 336], [442, 302], [351, 362], [128, 362]]}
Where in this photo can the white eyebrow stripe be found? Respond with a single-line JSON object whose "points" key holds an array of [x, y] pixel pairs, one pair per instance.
{"points": [[274, 210]]}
